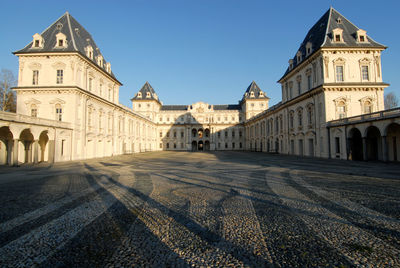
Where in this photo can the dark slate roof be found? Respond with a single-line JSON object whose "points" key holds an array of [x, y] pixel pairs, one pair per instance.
{"points": [[320, 35], [144, 90], [227, 107], [174, 108], [253, 87], [77, 39]]}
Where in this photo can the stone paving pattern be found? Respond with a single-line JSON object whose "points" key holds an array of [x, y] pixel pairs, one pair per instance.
{"points": [[182, 209]]}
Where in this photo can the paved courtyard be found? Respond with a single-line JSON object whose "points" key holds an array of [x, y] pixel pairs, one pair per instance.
{"points": [[184, 209]]}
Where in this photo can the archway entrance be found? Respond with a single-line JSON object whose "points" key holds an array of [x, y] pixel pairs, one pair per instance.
{"points": [[207, 146], [194, 146], [6, 138], [374, 143], [26, 138], [393, 142], [200, 146], [355, 145], [43, 139]]}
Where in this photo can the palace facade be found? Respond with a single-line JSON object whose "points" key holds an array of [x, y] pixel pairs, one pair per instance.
{"points": [[68, 104]]}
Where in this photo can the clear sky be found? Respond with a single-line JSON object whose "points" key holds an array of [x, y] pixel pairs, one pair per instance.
{"points": [[207, 50]]}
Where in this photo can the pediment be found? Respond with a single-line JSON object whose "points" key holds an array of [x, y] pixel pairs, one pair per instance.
{"points": [[57, 100]]}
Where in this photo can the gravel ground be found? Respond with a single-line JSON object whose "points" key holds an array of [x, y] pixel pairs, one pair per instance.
{"points": [[180, 209]]}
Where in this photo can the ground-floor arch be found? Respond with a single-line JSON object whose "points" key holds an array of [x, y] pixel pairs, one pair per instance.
{"points": [[6, 140], [44, 149], [200, 146], [373, 143], [355, 145], [393, 141], [194, 145], [207, 145]]}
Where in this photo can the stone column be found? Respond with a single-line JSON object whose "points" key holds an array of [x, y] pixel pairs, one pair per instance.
{"points": [[35, 151], [15, 152], [385, 156], [9, 152], [52, 151], [364, 144]]}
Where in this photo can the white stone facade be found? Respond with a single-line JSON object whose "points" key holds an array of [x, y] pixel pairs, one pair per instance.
{"points": [[68, 105]]}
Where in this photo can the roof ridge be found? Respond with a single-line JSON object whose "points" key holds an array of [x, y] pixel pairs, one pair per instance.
{"points": [[327, 25], [70, 29]]}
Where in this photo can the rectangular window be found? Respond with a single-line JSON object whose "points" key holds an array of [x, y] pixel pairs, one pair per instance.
{"points": [[339, 74], [90, 84], [365, 73], [309, 82], [337, 38], [35, 77], [160, 134], [36, 43], [299, 87], [233, 145], [160, 145], [62, 147], [59, 114], [182, 134], [34, 112], [240, 145], [60, 76]]}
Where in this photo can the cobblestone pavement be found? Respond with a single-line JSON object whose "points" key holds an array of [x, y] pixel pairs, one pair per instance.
{"points": [[181, 209]]}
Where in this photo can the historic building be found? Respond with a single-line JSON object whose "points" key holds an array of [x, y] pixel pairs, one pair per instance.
{"points": [[332, 104]]}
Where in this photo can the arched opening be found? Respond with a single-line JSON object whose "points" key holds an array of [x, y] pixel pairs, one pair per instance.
{"points": [[200, 133], [277, 145], [355, 145], [374, 144], [194, 146], [6, 138], [25, 154], [207, 133], [44, 150], [200, 146], [194, 133], [207, 146], [393, 141]]}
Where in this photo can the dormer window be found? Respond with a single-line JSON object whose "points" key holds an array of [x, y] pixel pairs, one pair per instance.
{"points": [[108, 67], [89, 52], [100, 60], [37, 41], [252, 94], [290, 64], [148, 95], [337, 35], [299, 57], [261, 94], [361, 36], [139, 95], [308, 48], [61, 40]]}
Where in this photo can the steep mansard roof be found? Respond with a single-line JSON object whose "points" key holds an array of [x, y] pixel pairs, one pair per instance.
{"points": [[255, 89], [320, 36], [147, 88], [77, 39]]}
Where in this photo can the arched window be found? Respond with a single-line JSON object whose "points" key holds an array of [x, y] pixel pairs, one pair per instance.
{"points": [[58, 112]]}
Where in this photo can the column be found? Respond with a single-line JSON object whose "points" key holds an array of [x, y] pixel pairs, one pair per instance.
{"points": [[52, 151], [35, 151], [365, 153], [385, 156], [9, 152], [15, 152]]}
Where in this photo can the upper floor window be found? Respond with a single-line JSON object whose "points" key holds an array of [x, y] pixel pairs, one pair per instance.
{"points": [[309, 82], [299, 87], [365, 72], [58, 112], [35, 77], [60, 76], [339, 73], [33, 110], [148, 95], [90, 84], [300, 117], [341, 109], [299, 57], [89, 52], [367, 107], [291, 119]]}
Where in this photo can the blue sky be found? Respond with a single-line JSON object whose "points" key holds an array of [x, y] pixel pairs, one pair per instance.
{"points": [[207, 50]]}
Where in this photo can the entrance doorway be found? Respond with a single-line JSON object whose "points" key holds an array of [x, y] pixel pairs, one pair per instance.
{"points": [[200, 146]]}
